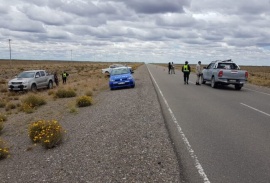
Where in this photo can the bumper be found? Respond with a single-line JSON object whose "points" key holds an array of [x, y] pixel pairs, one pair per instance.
{"points": [[121, 84], [17, 87], [231, 81]]}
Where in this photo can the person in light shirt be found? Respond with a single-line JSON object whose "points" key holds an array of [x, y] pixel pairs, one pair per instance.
{"points": [[198, 72]]}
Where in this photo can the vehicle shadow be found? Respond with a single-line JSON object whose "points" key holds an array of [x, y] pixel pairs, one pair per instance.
{"points": [[224, 87]]}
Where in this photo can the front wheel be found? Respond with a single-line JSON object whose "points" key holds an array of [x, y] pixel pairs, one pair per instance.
{"points": [[34, 88], [50, 85], [213, 83]]}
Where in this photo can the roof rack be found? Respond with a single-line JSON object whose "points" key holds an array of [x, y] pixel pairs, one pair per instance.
{"points": [[229, 60]]}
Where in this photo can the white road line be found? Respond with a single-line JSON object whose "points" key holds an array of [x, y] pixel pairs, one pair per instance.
{"points": [[256, 91], [184, 138], [255, 109]]}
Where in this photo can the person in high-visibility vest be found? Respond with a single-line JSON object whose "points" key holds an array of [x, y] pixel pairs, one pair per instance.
{"points": [[186, 70], [64, 77]]}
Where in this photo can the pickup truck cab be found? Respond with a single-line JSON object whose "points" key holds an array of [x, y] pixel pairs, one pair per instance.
{"points": [[224, 73], [108, 70], [31, 80]]}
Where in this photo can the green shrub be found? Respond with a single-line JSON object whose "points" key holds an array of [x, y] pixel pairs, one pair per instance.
{"points": [[32, 102], [84, 101], [48, 133], [62, 93], [4, 150]]}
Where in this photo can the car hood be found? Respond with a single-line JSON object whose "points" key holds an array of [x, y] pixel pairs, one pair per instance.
{"points": [[20, 79], [122, 76]]}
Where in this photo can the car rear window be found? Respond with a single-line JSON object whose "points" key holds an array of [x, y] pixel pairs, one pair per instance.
{"points": [[227, 66]]}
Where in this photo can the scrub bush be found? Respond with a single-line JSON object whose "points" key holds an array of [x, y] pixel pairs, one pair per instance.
{"points": [[62, 93], [84, 101], [4, 150], [32, 102], [48, 133]]}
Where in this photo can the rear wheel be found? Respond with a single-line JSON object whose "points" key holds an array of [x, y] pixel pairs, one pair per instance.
{"points": [[213, 83], [34, 88], [237, 87]]}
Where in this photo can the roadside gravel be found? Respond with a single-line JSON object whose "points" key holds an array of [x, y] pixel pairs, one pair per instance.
{"points": [[122, 138]]}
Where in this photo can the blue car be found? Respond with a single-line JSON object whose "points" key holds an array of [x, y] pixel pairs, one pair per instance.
{"points": [[121, 77]]}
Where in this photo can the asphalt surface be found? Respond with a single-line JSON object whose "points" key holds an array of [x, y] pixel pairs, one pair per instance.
{"points": [[221, 135], [121, 138]]}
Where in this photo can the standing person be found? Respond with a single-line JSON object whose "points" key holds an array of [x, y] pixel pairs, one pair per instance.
{"points": [[56, 79], [169, 67], [186, 70], [64, 77], [198, 72], [172, 68]]}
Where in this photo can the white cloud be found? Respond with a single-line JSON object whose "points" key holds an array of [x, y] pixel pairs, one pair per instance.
{"points": [[137, 29]]}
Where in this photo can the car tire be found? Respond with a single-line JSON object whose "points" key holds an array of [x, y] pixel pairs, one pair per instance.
{"points": [[50, 85], [112, 88], [34, 88], [132, 86], [213, 82], [237, 87]]}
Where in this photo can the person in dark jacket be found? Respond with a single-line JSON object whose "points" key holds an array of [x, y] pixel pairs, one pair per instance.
{"points": [[56, 79], [169, 67], [186, 70], [64, 77]]}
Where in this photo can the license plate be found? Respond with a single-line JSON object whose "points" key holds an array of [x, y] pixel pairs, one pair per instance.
{"points": [[121, 83], [232, 80]]}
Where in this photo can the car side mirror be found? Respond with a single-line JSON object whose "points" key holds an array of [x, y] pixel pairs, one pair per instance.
{"points": [[37, 76]]}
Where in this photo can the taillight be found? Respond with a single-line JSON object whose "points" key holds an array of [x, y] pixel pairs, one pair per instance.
{"points": [[246, 74], [220, 73]]}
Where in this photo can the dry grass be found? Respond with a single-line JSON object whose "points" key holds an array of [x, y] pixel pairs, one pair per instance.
{"points": [[258, 75], [85, 78]]}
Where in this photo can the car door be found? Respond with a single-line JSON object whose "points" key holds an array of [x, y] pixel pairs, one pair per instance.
{"points": [[43, 79], [208, 71], [38, 80]]}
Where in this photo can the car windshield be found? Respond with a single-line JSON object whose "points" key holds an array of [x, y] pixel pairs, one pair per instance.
{"points": [[120, 71], [227, 66], [26, 75]]}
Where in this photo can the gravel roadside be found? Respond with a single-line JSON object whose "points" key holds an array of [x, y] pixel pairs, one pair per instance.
{"points": [[122, 138]]}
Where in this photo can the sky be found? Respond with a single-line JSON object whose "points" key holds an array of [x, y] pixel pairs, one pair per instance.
{"points": [[151, 31]]}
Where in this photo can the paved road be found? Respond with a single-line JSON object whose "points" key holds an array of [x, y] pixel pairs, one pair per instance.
{"points": [[222, 135]]}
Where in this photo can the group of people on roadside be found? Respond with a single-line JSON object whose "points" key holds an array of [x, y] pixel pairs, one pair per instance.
{"points": [[186, 71], [64, 78]]}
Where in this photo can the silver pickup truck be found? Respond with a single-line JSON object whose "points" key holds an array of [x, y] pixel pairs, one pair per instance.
{"points": [[224, 73], [31, 80]]}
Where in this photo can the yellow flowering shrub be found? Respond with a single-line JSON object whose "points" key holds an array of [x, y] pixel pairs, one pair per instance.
{"points": [[4, 150], [48, 133], [84, 101]]}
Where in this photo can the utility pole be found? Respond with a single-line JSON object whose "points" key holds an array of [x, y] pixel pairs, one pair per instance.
{"points": [[9, 52], [71, 55]]}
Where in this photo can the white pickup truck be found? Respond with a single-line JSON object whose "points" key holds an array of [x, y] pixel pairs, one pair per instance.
{"points": [[108, 70], [31, 80], [224, 72]]}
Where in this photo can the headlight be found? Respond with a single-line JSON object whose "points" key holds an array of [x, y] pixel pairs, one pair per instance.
{"points": [[112, 80], [130, 78], [25, 82]]}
